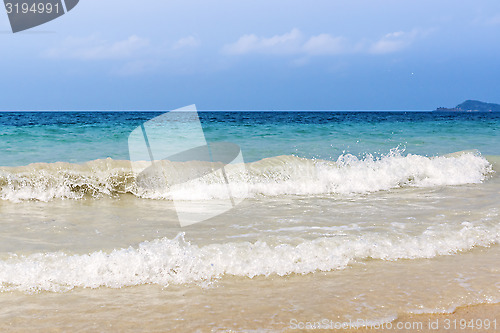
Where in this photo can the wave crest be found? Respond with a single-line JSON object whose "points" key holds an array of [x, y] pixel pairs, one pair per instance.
{"points": [[281, 175], [175, 261]]}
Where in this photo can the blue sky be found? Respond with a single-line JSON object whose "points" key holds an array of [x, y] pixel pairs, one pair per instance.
{"points": [[242, 54]]}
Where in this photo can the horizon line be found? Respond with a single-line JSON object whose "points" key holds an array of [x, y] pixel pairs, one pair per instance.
{"points": [[212, 110]]}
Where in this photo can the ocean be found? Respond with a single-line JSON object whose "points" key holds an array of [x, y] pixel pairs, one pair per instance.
{"points": [[346, 216]]}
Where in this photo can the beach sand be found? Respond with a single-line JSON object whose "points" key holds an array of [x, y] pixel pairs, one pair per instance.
{"points": [[178, 309], [474, 316]]}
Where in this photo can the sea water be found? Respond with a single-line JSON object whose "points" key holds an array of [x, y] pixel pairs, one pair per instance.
{"points": [[347, 216]]}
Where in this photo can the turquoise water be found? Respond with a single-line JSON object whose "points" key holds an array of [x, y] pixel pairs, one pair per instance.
{"points": [[76, 137]]}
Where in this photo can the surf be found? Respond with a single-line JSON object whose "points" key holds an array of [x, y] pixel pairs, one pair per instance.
{"points": [[274, 176], [177, 261]]}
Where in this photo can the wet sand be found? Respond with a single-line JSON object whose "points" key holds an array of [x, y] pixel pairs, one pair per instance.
{"points": [[464, 319]]}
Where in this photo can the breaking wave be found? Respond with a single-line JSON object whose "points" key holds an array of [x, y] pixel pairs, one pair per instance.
{"points": [[281, 175], [175, 261]]}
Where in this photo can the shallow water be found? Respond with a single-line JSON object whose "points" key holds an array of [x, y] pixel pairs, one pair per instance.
{"points": [[350, 237]]}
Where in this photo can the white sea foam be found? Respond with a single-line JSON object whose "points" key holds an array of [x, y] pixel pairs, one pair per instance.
{"points": [[282, 175], [175, 261]]}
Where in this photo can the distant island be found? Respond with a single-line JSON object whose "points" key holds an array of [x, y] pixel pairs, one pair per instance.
{"points": [[472, 106]]}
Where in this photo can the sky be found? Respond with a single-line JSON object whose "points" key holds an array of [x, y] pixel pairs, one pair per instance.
{"points": [[254, 55]]}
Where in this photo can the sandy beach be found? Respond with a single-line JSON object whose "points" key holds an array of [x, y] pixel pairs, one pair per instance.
{"points": [[464, 319], [478, 318]]}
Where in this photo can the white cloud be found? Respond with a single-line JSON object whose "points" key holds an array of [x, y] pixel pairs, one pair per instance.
{"points": [[94, 48], [296, 43], [132, 56], [395, 41], [325, 44], [186, 42], [287, 43], [391, 42]]}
